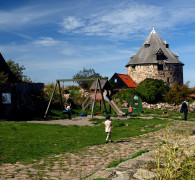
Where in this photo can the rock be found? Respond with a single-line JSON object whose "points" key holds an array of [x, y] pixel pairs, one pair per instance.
{"points": [[122, 176], [143, 174], [106, 174]]}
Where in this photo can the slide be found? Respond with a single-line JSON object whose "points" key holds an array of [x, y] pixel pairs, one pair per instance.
{"points": [[116, 108], [113, 105]]}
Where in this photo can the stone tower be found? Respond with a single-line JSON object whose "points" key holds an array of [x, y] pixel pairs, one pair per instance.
{"points": [[155, 60]]}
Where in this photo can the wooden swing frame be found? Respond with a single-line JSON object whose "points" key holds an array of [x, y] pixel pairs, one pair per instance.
{"points": [[65, 80]]}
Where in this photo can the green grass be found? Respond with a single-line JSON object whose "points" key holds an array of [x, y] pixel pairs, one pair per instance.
{"points": [[171, 114], [115, 163], [27, 141]]}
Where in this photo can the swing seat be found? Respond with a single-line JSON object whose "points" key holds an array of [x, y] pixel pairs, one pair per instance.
{"points": [[124, 115], [83, 114], [65, 111]]}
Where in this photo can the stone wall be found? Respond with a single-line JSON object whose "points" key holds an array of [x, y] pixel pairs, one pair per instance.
{"points": [[165, 106], [169, 74], [138, 168]]}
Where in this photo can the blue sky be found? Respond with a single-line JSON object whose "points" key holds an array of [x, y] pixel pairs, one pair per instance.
{"points": [[54, 39]]}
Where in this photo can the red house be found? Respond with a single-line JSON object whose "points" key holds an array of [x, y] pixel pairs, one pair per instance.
{"points": [[122, 81]]}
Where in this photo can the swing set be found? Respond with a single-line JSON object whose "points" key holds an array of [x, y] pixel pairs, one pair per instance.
{"points": [[66, 80]]}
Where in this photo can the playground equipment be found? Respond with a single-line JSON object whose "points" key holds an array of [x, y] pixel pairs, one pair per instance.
{"points": [[97, 84], [136, 103], [113, 104], [107, 90]]}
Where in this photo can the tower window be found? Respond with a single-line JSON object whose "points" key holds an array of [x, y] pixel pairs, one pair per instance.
{"points": [[176, 68], [168, 80], [133, 68], [160, 67]]}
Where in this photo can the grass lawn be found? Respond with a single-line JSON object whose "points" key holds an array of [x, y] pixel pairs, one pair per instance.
{"points": [[26, 142]]}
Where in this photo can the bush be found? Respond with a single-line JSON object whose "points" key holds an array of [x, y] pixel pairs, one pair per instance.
{"points": [[152, 90], [124, 95], [47, 92], [178, 93]]}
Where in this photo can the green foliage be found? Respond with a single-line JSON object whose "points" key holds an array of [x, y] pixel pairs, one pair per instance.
{"points": [[47, 92], [56, 103], [152, 90], [124, 95], [177, 93], [3, 78], [86, 74], [18, 71], [76, 97]]}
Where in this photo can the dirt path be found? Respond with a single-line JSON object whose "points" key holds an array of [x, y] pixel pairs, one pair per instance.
{"points": [[80, 121], [83, 163]]}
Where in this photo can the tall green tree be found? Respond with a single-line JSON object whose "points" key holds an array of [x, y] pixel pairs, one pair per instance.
{"points": [[178, 93], [18, 71], [86, 74], [3, 78], [152, 90]]}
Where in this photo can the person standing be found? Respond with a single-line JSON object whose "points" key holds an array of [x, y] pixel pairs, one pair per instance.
{"points": [[68, 112], [130, 111], [184, 109], [108, 128]]}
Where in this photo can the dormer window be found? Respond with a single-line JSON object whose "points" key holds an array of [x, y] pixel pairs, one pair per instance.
{"points": [[132, 56], [146, 45], [176, 55], [166, 44], [160, 55]]}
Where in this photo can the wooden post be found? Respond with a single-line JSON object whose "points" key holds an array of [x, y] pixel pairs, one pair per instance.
{"points": [[50, 100], [61, 101], [102, 95], [92, 109], [101, 106]]}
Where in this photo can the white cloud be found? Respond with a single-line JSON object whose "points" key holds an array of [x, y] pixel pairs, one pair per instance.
{"points": [[46, 41], [127, 19], [28, 15], [71, 23]]}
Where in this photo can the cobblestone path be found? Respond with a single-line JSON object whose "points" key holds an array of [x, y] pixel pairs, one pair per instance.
{"points": [[79, 165]]}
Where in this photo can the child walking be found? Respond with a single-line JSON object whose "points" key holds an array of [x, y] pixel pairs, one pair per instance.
{"points": [[108, 127]]}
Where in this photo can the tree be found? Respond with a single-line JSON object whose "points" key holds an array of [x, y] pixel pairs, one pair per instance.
{"points": [[178, 93], [86, 74], [152, 90], [3, 78], [18, 71]]}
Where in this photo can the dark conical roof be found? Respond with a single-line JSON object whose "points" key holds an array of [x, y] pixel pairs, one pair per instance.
{"points": [[151, 47], [6, 70]]}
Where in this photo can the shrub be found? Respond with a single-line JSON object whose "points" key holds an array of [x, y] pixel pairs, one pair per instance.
{"points": [[124, 95], [47, 92], [177, 93], [152, 90], [171, 161]]}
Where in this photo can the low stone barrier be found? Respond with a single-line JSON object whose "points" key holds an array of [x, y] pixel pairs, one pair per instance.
{"points": [[137, 168], [165, 106]]}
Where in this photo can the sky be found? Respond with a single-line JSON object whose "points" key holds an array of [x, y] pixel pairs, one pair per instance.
{"points": [[55, 39]]}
